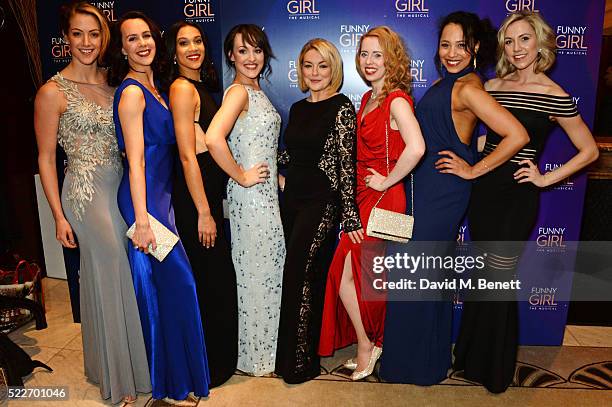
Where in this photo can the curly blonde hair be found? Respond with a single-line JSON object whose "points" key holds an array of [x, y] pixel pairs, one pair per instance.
{"points": [[545, 38], [397, 60]]}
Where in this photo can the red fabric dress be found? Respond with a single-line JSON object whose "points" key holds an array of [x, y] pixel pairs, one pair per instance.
{"points": [[337, 330]]}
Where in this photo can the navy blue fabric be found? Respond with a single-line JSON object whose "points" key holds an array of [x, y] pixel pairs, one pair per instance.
{"points": [[417, 345]]}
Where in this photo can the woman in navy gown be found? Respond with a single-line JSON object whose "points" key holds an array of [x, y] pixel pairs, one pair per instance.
{"points": [[165, 291], [418, 334]]}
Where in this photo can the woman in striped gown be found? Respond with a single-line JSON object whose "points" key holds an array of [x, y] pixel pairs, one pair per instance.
{"points": [[504, 202]]}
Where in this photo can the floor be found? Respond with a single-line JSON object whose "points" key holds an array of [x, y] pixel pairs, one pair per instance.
{"points": [[578, 373]]}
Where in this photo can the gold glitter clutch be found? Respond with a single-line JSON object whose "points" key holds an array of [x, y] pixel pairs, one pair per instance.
{"points": [[389, 225], [164, 238]]}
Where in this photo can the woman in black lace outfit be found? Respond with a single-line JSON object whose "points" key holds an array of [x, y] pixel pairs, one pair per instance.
{"points": [[319, 188]]}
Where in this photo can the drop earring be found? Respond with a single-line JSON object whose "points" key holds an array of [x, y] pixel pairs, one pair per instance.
{"points": [[474, 63], [174, 61]]}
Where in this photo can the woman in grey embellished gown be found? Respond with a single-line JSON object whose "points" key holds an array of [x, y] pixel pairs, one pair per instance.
{"points": [[249, 158], [74, 109]]}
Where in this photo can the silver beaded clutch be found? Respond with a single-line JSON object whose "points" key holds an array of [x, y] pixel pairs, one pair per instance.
{"points": [[164, 238], [390, 225]]}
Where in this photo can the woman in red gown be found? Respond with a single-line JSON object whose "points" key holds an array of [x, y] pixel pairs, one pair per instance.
{"points": [[348, 316]]}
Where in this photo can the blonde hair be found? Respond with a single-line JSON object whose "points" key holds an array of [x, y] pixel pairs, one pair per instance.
{"points": [[397, 60], [69, 10], [330, 54], [545, 39]]}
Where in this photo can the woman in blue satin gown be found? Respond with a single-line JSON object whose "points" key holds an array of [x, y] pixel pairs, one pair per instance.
{"points": [[165, 291], [418, 333]]}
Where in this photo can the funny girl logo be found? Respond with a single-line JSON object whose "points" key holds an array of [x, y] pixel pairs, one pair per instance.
{"points": [[543, 299], [411, 9], [513, 6], [292, 76], [355, 98], [198, 11], [60, 50], [565, 185], [303, 10], [417, 73], [106, 7], [350, 34], [570, 40], [551, 239]]}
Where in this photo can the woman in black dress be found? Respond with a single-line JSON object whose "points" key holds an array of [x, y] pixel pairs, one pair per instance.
{"points": [[319, 187], [198, 197], [504, 202]]}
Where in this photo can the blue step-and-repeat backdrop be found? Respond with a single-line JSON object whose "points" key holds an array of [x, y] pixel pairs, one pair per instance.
{"points": [[290, 23]]}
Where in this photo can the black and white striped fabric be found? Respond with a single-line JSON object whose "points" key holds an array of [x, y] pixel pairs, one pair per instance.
{"points": [[558, 106], [526, 105]]}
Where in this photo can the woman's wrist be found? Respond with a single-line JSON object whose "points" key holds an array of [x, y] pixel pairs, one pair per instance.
{"points": [[142, 222]]}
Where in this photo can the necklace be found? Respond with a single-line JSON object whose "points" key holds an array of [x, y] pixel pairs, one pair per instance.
{"points": [[135, 70]]}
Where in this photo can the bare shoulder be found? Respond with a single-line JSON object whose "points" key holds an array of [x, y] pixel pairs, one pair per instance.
{"points": [[132, 93], [493, 84], [181, 87], [237, 91], [552, 88], [236, 96], [50, 98], [469, 86], [49, 92], [132, 100]]}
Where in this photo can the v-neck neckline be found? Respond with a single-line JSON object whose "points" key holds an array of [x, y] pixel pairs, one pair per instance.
{"points": [[151, 93]]}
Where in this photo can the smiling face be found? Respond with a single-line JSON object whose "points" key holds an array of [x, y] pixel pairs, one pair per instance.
{"points": [[316, 71], [85, 38], [248, 59], [137, 43], [189, 48], [372, 60], [520, 44], [452, 49]]}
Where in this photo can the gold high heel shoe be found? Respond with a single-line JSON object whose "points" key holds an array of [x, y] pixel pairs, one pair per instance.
{"points": [[376, 352], [350, 364]]}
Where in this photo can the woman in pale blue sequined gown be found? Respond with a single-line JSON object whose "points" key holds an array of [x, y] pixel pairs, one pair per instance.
{"points": [[74, 109], [252, 125]]}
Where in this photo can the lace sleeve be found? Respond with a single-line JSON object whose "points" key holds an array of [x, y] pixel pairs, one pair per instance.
{"points": [[345, 129]]}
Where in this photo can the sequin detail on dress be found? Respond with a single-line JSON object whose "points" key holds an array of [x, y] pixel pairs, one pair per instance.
{"points": [[258, 245], [87, 134]]}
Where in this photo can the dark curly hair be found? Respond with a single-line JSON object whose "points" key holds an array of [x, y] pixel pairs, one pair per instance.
{"points": [[476, 31], [254, 36], [208, 73], [118, 66]]}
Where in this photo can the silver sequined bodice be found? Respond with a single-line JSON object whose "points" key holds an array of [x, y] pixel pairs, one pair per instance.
{"points": [[254, 137], [87, 134]]}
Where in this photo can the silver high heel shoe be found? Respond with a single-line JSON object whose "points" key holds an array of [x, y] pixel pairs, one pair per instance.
{"points": [[376, 352], [350, 364]]}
